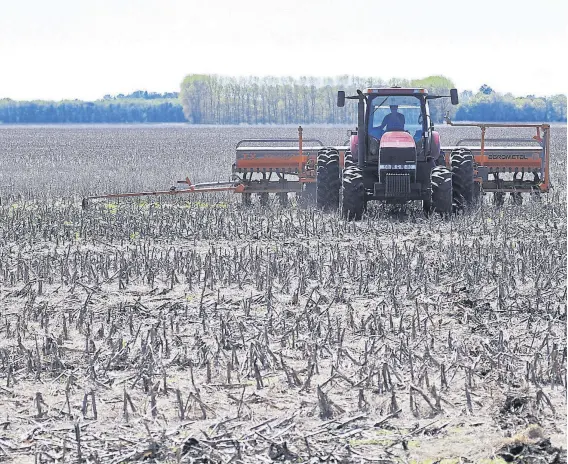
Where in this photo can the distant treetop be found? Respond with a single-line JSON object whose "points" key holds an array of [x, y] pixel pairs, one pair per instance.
{"points": [[142, 94]]}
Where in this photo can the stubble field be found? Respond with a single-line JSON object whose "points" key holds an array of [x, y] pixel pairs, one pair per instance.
{"points": [[197, 330]]}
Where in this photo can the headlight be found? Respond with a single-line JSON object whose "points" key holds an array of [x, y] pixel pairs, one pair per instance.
{"points": [[374, 146]]}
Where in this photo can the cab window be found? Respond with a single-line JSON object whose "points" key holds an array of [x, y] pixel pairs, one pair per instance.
{"points": [[386, 115]]}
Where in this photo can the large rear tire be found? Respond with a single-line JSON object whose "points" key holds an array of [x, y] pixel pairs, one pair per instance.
{"points": [[462, 178], [442, 191], [353, 202], [328, 183]]}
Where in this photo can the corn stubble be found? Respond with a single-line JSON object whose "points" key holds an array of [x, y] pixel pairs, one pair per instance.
{"points": [[195, 329]]}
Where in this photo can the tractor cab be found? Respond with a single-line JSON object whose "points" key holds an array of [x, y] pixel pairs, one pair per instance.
{"points": [[394, 155], [392, 109], [395, 110]]}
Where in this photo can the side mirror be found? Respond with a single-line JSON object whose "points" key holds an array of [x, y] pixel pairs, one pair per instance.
{"points": [[341, 99], [454, 96]]}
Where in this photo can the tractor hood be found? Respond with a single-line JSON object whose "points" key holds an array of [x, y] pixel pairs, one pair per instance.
{"points": [[397, 139], [397, 151]]}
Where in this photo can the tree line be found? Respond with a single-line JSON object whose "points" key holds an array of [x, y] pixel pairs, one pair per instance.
{"points": [[213, 99], [490, 106], [138, 107]]}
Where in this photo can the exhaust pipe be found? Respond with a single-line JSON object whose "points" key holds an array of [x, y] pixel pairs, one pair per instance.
{"points": [[361, 131]]}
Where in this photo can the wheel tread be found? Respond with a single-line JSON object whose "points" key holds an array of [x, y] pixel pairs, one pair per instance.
{"points": [[328, 183]]}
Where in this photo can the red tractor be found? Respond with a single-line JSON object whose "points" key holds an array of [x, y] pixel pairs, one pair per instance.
{"points": [[395, 157]]}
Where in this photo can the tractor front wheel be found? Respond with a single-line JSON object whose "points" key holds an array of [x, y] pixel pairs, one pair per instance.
{"points": [[442, 191], [353, 202], [328, 183], [348, 160]]}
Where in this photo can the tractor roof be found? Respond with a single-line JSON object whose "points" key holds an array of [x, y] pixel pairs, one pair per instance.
{"points": [[395, 91], [400, 107]]}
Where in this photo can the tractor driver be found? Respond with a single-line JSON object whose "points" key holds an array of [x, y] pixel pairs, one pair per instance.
{"points": [[394, 121]]}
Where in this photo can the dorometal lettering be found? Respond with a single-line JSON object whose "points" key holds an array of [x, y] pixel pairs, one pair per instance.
{"points": [[508, 157]]}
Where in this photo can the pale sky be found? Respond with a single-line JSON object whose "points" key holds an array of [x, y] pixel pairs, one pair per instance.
{"points": [[55, 49]]}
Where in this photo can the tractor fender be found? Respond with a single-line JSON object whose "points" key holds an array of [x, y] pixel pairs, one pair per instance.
{"points": [[435, 150], [354, 146]]}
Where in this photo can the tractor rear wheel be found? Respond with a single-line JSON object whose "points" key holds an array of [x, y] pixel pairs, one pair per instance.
{"points": [[442, 191], [462, 178], [353, 203], [328, 183]]}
